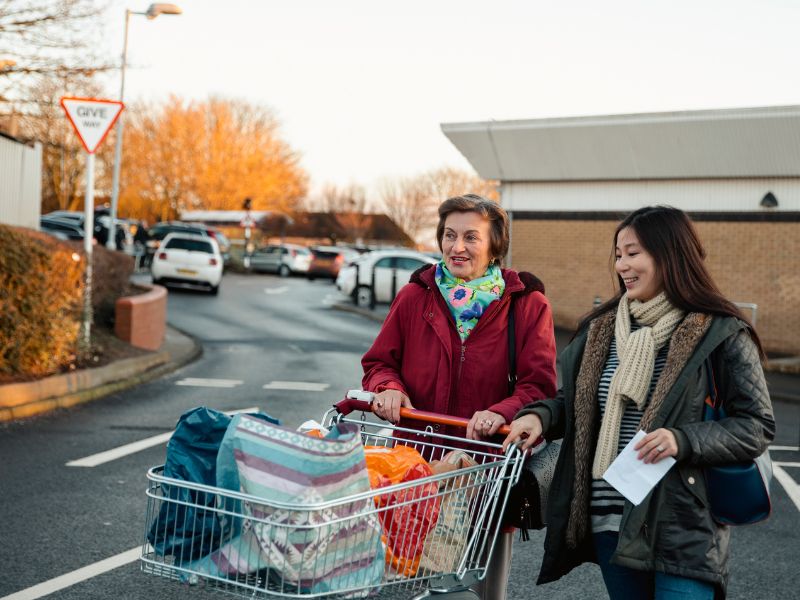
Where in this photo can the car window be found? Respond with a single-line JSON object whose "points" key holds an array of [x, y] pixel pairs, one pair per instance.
{"points": [[384, 262], [190, 245], [303, 251], [407, 263]]}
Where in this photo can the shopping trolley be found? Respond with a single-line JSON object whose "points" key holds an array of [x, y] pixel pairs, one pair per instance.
{"points": [[469, 500]]}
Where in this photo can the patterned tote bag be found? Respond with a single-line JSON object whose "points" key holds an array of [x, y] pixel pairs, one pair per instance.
{"points": [[312, 550]]}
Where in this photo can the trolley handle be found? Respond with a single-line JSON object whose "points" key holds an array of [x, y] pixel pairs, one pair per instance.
{"points": [[360, 400]]}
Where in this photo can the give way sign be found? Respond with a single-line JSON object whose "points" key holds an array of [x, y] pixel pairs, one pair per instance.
{"points": [[91, 118]]}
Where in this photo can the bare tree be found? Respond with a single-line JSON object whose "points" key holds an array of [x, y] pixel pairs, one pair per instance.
{"points": [[63, 162], [412, 202], [43, 39]]}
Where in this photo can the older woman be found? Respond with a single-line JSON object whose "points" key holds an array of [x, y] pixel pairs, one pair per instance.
{"points": [[444, 344]]}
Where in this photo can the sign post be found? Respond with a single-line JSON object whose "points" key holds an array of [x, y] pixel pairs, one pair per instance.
{"points": [[247, 222], [92, 119]]}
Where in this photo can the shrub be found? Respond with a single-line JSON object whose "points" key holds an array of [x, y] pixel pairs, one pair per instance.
{"points": [[111, 274], [41, 287]]}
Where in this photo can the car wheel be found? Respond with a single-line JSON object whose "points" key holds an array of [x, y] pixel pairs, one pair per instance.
{"points": [[214, 290], [363, 296], [157, 282], [284, 271]]}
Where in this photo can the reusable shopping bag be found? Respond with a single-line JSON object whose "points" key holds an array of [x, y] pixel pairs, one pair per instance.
{"points": [[180, 529], [307, 549]]}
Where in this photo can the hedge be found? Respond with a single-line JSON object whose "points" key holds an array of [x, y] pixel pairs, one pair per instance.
{"points": [[41, 299]]}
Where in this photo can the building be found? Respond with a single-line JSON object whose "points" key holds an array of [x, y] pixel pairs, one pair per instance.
{"points": [[566, 182], [20, 182]]}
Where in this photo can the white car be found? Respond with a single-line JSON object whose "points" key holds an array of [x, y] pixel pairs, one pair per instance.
{"points": [[186, 258], [379, 275]]}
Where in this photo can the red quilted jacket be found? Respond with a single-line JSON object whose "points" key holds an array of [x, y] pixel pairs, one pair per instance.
{"points": [[419, 351]]}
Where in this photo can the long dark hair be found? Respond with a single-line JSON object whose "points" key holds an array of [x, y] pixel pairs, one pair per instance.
{"points": [[668, 235]]}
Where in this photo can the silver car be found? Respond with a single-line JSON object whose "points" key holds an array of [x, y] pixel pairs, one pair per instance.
{"points": [[283, 259]]}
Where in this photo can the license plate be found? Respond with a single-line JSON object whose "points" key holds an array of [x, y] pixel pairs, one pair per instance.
{"points": [[187, 272]]}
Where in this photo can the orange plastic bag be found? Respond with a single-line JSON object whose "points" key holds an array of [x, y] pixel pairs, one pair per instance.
{"points": [[408, 514]]}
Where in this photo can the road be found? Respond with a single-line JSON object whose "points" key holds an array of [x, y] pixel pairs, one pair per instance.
{"points": [[61, 524]]}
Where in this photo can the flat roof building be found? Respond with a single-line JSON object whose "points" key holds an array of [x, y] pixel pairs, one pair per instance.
{"points": [[566, 182]]}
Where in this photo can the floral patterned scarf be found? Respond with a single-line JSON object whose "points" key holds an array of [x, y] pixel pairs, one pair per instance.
{"points": [[468, 299]]}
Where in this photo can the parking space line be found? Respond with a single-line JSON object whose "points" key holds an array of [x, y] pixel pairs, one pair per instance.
{"points": [[297, 386], [76, 576], [214, 383], [789, 448], [115, 453], [789, 484], [277, 290]]}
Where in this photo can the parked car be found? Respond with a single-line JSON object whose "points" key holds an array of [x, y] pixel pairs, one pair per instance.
{"points": [[63, 229], [283, 259], [327, 260], [186, 258], [388, 270], [100, 231], [159, 231]]}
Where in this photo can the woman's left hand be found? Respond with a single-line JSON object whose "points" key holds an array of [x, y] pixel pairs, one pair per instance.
{"points": [[484, 424], [656, 445]]}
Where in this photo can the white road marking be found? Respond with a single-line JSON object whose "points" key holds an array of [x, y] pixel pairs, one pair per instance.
{"points": [[296, 348], [787, 464], [787, 481], [115, 453], [303, 386], [790, 448], [278, 290], [214, 383], [331, 299], [73, 577]]}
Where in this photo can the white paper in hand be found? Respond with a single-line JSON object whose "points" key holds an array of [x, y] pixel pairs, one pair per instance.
{"points": [[633, 478]]}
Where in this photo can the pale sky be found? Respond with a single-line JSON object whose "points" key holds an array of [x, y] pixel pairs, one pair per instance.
{"points": [[361, 87]]}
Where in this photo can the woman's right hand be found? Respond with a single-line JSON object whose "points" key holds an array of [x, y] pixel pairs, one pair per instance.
{"points": [[530, 425], [387, 404]]}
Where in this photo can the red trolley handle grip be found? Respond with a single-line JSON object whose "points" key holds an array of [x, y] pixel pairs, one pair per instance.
{"points": [[348, 405]]}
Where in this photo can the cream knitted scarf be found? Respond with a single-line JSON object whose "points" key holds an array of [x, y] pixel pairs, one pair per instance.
{"points": [[637, 355]]}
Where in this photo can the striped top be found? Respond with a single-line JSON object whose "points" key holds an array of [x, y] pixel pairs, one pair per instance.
{"points": [[606, 502]]}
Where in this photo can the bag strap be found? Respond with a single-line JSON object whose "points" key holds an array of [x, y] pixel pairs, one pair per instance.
{"points": [[712, 400], [512, 349]]}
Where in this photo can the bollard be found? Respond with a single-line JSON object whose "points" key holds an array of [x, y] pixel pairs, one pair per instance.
{"points": [[372, 294]]}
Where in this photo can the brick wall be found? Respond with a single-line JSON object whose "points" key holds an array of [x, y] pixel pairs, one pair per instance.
{"points": [[750, 261]]}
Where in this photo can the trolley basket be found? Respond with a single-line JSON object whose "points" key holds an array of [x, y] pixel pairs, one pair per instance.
{"points": [[462, 506]]}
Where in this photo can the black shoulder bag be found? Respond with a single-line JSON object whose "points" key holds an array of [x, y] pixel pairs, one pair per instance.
{"points": [[527, 500]]}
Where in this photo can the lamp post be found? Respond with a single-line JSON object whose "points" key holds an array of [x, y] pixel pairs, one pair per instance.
{"points": [[151, 13]]}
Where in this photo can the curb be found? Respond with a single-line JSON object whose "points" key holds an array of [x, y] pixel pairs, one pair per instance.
{"points": [[790, 365], [26, 399], [364, 312]]}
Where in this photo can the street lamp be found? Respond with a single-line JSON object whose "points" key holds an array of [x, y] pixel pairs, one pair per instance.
{"points": [[151, 13]]}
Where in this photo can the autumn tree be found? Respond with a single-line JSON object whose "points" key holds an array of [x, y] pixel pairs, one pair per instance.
{"points": [[412, 202], [206, 155]]}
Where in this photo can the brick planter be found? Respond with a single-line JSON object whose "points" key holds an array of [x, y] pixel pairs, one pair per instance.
{"points": [[141, 320]]}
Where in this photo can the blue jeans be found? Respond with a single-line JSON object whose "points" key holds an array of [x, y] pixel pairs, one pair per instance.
{"points": [[623, 583]]}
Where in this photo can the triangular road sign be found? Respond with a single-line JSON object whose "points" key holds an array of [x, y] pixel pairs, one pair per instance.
{"points": [[91, 118]]}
